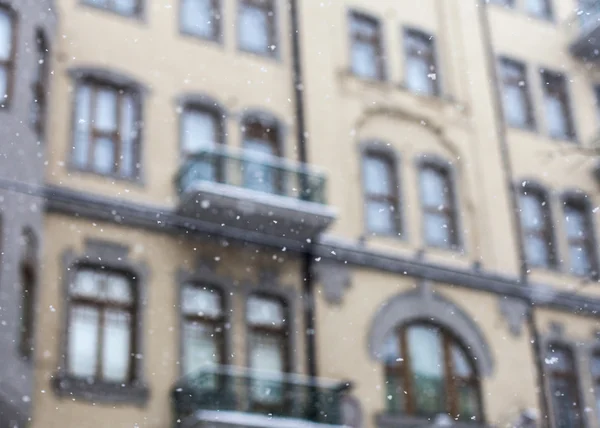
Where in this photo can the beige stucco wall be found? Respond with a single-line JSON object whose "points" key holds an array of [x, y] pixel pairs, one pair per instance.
{"points": [[164, 257]]}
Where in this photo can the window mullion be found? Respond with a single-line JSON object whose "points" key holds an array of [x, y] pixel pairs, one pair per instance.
{"points": [[406, 373], [450, 382]]}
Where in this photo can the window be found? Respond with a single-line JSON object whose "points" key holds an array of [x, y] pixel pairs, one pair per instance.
{"points": [[202, 128], [40, 85], [564, 395], [122, 7], [421, 70], [268, 349], [203, 328], [558, 110], [428, 372], [439, 212], [381, 195], [595, 368], [539, 8], [582, 259], [261, 144], [538, 238], [101, 327], [106, 130], [518, 110], [201, 18], [7, 54], [366, 47], [256, 27]]}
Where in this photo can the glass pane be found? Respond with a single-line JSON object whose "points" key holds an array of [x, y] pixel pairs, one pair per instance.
{"points": [[426, 357], [263, 311], [200, 347], [537, 251], [106, 110], [460, 363], [3, 85], [258, 175], [559, 359], [82, 126], [85, 284], [580, 260], [364, 59], [595, 363], [433, 188], [197, 17], [253, 28], [83, 341], [199, 131], [6, 35], [539, 8], [116, 352], [201, 301], [104, 155], [125, 7], [380, 217], [417, 75], [378, 176], [437, 230], [575, 220], [390, 354], [395, 396], [266, 355], [468, 403], [564, 403], [532, 212], [363, 27], [118, 289], [128, 135], [556, 116], [515, 105]]}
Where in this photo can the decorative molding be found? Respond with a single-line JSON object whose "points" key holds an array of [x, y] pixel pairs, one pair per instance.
{"points": [[72, 202], [334, 278], [514, 312]]}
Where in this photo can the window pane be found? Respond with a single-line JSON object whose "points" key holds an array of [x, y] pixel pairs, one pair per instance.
{"points": [[106, 110], [596, 365], [515, 105], [426, 357], [6, 35], [378, 176], [532, 212], [118, 289], [417, 75], [3, 85], [560, 359], [128, 135], [83, 341], [266, 354], [556, 116], [537, 251], [364, 60], [263, 311], [380, 217], [85, 284], [575, 220], [199, 130], [200, 347], [564, 403], [82, 126], [116, 352], [254, 28], [104, 155], [438, 231], [197, 17], [364, 27], [539, 8], [433, 188], [258, 175], [580, 260], [203, 302], [460, 363], [468, 403], [125, 7], [390, 353], [395, 393]]}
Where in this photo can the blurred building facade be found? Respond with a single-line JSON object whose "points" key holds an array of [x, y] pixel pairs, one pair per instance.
{"points": [[306, 213]]}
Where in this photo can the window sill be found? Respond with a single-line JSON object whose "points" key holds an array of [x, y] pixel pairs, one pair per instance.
{"points": [[397, 420], [133, 180], [100, 392], [270, 55], [189, 34]]}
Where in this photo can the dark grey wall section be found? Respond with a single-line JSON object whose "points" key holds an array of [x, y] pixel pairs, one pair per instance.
{"points": [[22, 161]]}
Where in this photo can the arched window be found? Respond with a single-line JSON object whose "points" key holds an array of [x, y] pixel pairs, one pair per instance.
{"points": [[428, 372], [261, 141], [564, 387]]}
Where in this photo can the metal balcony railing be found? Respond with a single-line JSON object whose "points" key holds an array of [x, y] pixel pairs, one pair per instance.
{"points": [[243, 390], [253, 171]]}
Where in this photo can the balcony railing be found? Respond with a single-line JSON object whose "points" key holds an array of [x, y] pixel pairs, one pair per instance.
{"points": [[252, 171], [584, 29], [243, 390]]}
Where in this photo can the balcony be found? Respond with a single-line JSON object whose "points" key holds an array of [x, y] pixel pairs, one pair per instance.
{"points": [[229, 397], [254, 191], [584, 30]]}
